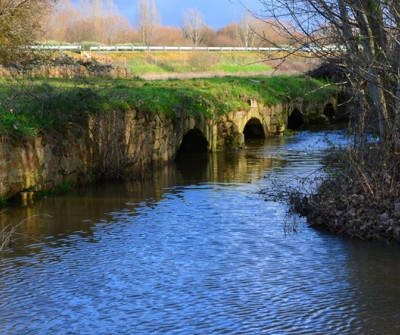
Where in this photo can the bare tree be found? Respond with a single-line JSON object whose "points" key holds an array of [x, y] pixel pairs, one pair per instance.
{"points": [[245, 30], [148, 19], [365, 36], [362, 39], [192, 26], [88, 20], [20, 25]]}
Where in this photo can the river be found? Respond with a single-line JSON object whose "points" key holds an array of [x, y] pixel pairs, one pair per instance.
{"points": [[196, 249]]}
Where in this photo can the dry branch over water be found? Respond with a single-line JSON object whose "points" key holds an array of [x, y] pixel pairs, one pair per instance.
{"points": [[361, 198]]}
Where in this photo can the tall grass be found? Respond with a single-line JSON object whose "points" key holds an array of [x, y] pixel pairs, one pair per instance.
{"points": [[9, 234], [6, 236]]}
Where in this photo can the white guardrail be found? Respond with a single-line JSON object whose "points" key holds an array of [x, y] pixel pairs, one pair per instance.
{"points": [[167, 48], [57, 47], [262, 49]]}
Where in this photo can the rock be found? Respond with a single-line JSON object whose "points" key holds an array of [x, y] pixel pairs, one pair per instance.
{"points": [[397, 210], [65, 66], [384, 217]]}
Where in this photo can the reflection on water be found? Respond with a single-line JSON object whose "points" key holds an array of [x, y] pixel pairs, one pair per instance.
{"points": [[194, 249], [79, 209]]}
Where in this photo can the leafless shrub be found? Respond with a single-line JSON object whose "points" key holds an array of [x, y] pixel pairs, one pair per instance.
{"points": [[20, 25], [9, 234]]}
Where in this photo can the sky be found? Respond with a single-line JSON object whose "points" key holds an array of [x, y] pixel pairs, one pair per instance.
{"points": [[216, 13]]}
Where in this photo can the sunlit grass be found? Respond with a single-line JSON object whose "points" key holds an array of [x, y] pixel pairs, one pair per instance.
{"points": [[242, 68], [140, 63], [31, 107], [143, 68]]}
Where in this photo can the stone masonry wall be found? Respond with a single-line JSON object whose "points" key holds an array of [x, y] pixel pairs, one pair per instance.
{"points": [[124, 145], [108, 146]]}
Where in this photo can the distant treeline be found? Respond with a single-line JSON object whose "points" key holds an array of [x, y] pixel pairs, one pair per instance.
{"points": [[100, 21]]}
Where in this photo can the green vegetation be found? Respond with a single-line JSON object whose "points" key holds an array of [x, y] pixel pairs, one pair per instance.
{"points": [[29, 108], [141, 63], [62, 188], [237, 68]]}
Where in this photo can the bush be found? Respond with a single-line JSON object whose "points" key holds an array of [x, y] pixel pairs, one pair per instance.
{"points": [[203, 61]]}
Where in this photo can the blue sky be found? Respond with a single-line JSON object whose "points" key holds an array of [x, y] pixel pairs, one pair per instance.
{"points": [[217, 13]]}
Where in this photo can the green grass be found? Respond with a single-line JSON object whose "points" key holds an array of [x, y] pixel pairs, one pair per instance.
{"points": [[144, 68], [182, 62], [29, 108], [241, 68]]}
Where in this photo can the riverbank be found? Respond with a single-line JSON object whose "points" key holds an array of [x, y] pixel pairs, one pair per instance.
{"points": [[359, 198], [162, 65]]}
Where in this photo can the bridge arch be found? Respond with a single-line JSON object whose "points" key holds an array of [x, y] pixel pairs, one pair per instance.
{"points": [[193, 141], [254, 129], [254, 118], [329, 111], [295, 120]]}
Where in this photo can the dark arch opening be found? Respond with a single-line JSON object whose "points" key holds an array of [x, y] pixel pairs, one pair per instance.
{"points": [[253, 129], [329, 111], [193, 142], [296, 120], [192, 156]]}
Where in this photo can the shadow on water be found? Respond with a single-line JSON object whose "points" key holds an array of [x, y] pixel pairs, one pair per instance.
{"points": [[193, 166], [80, 209]]}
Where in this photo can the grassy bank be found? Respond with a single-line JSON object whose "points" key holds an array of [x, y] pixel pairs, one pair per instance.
{"points": [[141, 63], [150, 63], [29, 108]]}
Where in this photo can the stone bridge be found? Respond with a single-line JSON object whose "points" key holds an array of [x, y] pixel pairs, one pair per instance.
{"points": [[230, 131], [128, 144]]}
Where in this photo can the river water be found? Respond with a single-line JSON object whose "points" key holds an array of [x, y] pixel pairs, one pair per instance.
{"points": [[195, 250]]}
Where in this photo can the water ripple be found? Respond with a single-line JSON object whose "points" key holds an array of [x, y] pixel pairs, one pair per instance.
{"points": [[204, 258]]}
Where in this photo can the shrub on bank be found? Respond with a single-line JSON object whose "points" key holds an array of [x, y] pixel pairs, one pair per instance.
{"points": [[360, 198]]}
